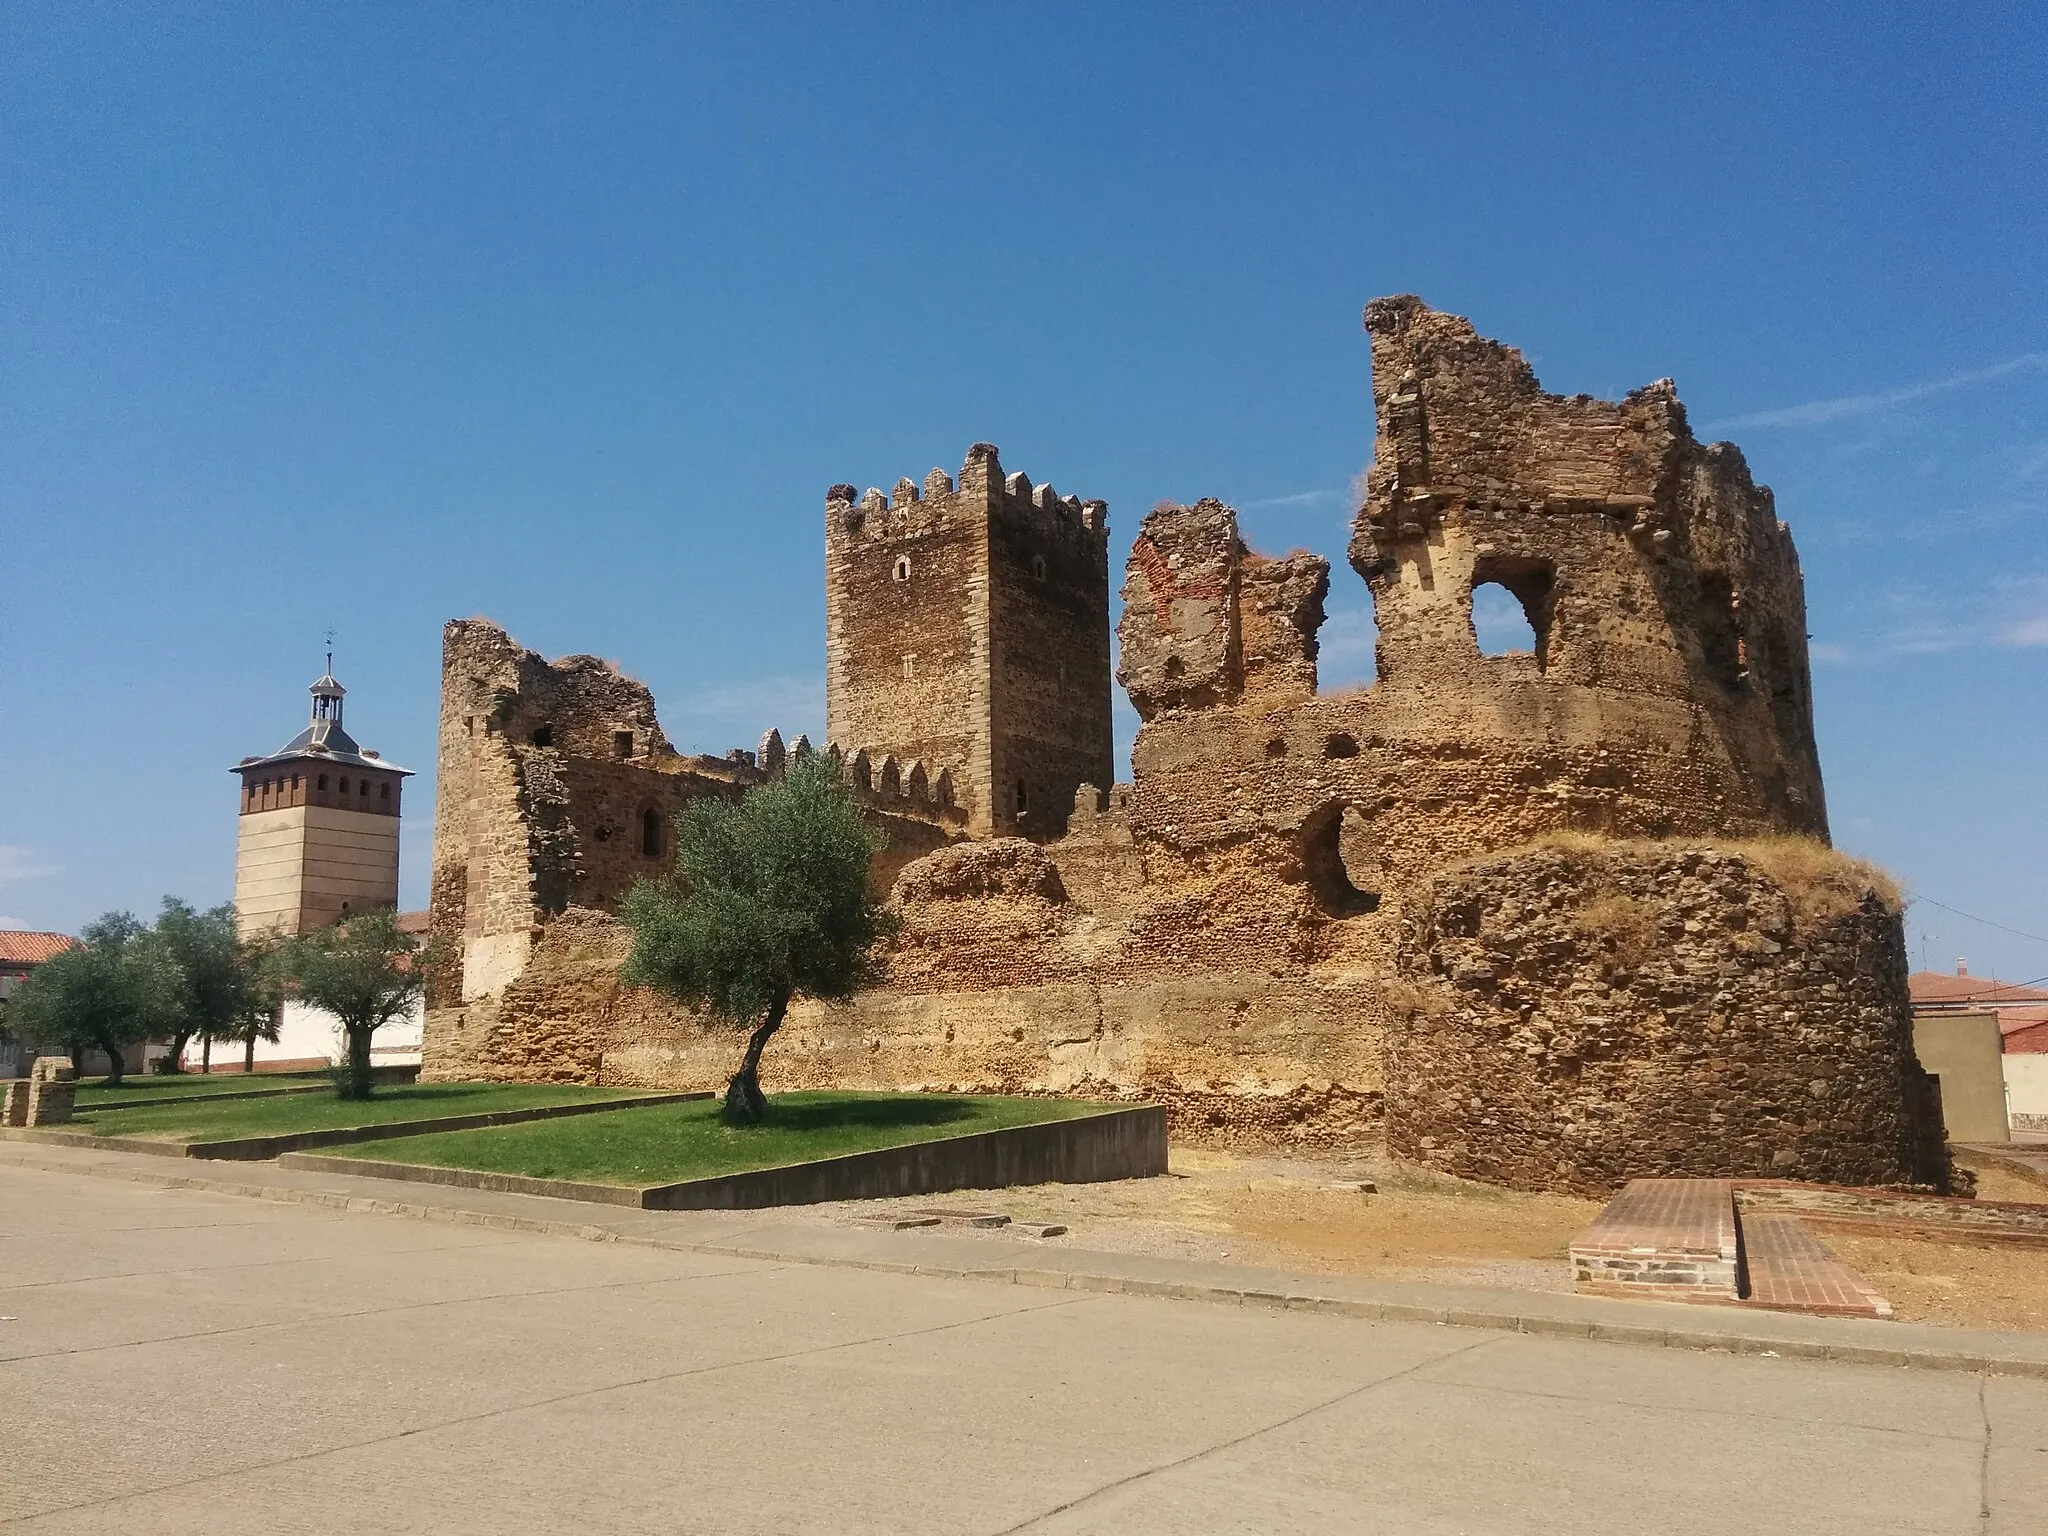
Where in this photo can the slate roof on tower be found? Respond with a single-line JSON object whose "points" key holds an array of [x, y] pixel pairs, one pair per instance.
{"points": [[323, 740]]}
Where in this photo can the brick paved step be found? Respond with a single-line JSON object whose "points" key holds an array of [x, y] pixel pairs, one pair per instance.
{"points": [[1790, 1270], [1674, 1239]]}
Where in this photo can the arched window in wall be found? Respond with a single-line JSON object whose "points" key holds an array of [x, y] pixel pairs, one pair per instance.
{"points": [[1512, 606], [650, 834]]}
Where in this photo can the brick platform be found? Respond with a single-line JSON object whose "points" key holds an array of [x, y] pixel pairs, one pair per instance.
{"points": [[1791, 1271], [1688, 1240], [1675, 1239]]}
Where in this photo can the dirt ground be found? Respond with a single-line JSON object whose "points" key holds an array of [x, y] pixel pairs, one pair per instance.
{"points": [[1971, 1284], [1306, 1214]]}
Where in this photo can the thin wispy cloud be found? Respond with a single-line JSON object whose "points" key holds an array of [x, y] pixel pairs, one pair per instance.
{"points": [[1298, 499], [738, 714], [19, 863], [1844, 407], [2008, 612]]}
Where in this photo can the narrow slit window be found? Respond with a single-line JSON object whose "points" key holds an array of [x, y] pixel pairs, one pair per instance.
{"points": [[650, 834]]}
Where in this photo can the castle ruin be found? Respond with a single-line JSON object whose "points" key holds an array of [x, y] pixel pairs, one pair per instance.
{"points": [[1549, 918]]}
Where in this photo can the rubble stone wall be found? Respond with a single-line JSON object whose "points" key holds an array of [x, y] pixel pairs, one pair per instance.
{"points": [[1255, 929], [1569, 1018], [557, 788], [968, 631]]}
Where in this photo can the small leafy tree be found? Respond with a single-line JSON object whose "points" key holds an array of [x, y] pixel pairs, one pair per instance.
{"points": [[265, 1020], [111, 989], [769, 901], [224, 989], [366, 972]]}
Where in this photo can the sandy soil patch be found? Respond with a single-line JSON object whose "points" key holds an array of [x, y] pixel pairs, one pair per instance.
{"points": [[1308, 1215], [1967, 1282]]}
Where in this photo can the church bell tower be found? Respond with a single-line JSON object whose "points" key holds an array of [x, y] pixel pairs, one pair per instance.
{"points": [[319, 826]]}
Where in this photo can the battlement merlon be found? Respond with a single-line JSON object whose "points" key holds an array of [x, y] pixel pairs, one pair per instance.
{"points": [[982, 488]]}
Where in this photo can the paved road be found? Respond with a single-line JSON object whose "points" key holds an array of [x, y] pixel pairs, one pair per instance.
{"points": [[177, 1361]]}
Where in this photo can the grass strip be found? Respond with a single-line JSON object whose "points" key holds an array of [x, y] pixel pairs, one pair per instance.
{"points": [[669, 1143], [199, 1120]]}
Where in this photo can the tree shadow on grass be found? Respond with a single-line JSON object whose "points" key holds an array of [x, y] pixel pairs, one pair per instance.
{"points": [[876, 1113]]}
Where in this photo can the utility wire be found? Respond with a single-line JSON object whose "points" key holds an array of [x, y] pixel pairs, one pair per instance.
{"points": [[2017, 933]]}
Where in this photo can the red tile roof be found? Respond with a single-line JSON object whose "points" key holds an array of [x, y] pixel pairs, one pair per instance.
{"points": [[19, 947], [1938, 987], [2025, 1030], [414, 922]]}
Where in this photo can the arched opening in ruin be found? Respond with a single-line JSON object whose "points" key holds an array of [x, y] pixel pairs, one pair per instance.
{"points": [[902, 570], [1511, 606], [1340, 860], [543, 736], [650, 833], [1343, 744]]}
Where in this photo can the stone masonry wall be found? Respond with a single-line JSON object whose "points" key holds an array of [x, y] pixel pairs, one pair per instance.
{"points": [[1262, 928], [557, 789], [1572, 1017], [968, 631]]}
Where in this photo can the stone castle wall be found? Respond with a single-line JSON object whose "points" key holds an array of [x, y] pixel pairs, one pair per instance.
{"points": [[1572, 1017], [1234, 932], [968, 630], [557, 788]]}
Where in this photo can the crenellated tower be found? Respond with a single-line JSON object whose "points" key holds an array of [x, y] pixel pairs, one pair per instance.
{"points": [[967, 629]]}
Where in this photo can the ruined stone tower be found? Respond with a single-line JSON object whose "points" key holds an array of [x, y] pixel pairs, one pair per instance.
{"points": [[967, 633], [318, 834]]}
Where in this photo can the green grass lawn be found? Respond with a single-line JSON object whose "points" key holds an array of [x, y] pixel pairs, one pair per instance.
{"points": [[199, 1120], [667, 1143], [192, 1085]]}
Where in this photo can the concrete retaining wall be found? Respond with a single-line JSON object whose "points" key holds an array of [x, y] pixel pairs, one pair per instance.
{"points": [[1116, 1144]]}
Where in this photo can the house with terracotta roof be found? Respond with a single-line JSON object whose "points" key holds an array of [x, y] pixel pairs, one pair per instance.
{"points": [[21, 952], [1961, 1006]]}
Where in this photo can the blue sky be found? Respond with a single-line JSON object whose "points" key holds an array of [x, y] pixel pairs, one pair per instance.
{"points": [[373, 317]]}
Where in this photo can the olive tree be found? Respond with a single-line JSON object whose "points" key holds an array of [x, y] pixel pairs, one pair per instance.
{"points": [[366, 972], [223, 987], [769, 901], [109, 990]]}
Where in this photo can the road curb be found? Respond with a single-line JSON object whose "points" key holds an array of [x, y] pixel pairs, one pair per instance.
{"points": [[1581, 1318]]}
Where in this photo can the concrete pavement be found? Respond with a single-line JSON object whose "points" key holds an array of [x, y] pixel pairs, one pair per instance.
{"points": [[183, 1360]]}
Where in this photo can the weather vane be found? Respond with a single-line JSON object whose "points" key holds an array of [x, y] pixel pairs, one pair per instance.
{"points": [[330, 650]]}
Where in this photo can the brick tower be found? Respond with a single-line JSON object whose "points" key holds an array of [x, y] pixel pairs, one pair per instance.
{"points": [[319, 826], [967, 628]]}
